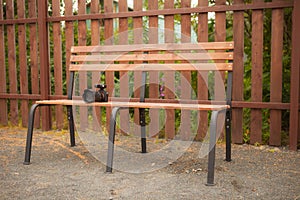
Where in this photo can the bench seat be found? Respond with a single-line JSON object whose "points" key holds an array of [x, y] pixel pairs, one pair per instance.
{"points": [[181, 106]]}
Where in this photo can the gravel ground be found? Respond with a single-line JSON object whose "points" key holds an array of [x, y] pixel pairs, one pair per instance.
{"points": [[58, 171]]}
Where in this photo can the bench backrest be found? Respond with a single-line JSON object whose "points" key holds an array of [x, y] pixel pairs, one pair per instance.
{"points": [[209, 56]]}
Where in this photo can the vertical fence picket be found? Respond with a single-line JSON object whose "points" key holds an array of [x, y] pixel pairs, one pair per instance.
{"points": [[169, 76], [108, 36], [256, 74], [294, 134], [3, 103], [124, 77], [153, 76], [220, 36], [34, 68], [202, 76], [23, 61], [138, 39], [95, 40], [185, 125], [11, 45], [276, 75], [57, 58], [82, 75], [44, 61], [238, 73], [69, 32]]}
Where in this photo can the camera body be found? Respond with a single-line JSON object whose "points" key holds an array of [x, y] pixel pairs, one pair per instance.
{"points": [[100, 95]]}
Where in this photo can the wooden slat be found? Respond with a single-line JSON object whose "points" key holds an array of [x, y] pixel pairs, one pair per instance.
{"points": [[69, 32], [295, 75], [34, 68], [152, 67], [138, 39], [220, 36], [3, 103], [174, 11], [276, 75], [95, 37], [124, 78], [202, 76], [82, 75], [186, 86], [57, 56], [136, 105], [169, 76], [108, 34], [153, 47], [256, 74], [11, 45], [44, 61], [23, 62], [153, 75], [238, 73], [153, 57]]}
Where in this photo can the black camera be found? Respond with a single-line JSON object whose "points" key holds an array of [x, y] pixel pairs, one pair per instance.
{"points": [[100, 95]]}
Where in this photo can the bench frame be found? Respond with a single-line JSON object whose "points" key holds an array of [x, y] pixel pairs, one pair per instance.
{"points": [[115, 109]]}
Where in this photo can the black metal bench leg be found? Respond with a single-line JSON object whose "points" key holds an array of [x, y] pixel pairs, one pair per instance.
{"points": [[143, 130], [111, 140], [228, 135], [29, 134], [71, 125], [212, 148]]}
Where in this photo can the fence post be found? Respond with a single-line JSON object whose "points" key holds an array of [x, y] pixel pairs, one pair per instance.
{"points": [[238, 74], [44, 61], [294, 106]]}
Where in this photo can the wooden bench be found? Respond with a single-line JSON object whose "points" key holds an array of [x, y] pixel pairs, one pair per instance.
{"points": [[145, 58]]}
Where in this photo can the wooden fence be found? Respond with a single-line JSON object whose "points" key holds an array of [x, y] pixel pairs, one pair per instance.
{"points": [[36, 36]]}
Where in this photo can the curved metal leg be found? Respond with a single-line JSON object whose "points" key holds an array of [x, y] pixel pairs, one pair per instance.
{"points": [[212, 147], [111, 141], [29, 134]]}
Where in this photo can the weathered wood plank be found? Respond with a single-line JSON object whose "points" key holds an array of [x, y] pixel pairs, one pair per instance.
{"points": [[256, 75], [202, 76], [136, 105], [96, 76], [44, 61], [57, 57], [153, 67], [108, 36], [3, 103], [295, 75], [34, 67], [169, 76], [69, 32], [124, 78], [238, 73], [153, 75], [186, 88], [174, 11], [82, 75], [152, 47], [176, 56], [23, 62], [138, 39], [11, 45], [276, 75]]}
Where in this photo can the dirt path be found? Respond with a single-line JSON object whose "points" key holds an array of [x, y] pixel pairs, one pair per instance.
{"points": [[60, 172]]}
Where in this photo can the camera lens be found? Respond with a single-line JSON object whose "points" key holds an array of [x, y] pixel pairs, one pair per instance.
{"points": [[88, 96]]}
